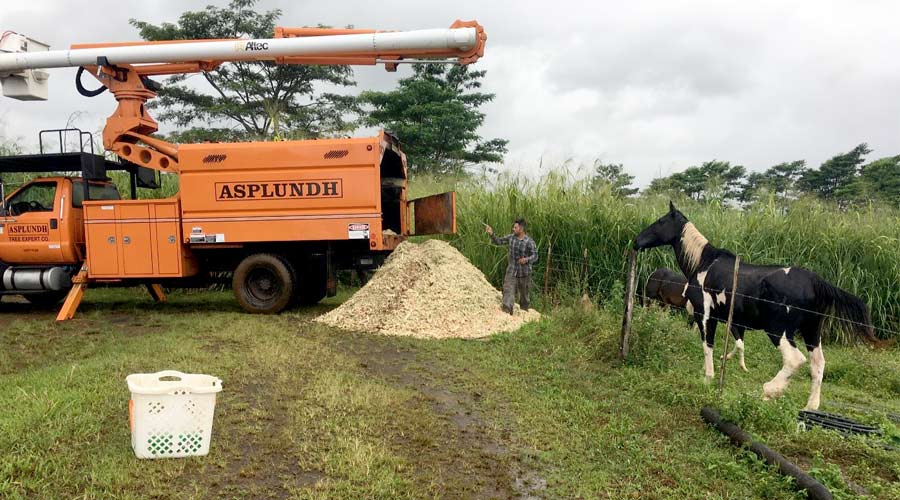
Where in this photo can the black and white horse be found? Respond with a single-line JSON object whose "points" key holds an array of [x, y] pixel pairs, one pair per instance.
{"points": [[782, 301]]}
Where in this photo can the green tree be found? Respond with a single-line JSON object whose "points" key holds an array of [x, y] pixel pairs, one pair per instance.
{"points": [[723, 181], [435, 114], [782, 178], [755, 184], [662, 185], [249, 100], [712, 181], [614, 176], [779, 180], [880, 180], [836, 178], [9, 148], [8, 145], [691, 182]]}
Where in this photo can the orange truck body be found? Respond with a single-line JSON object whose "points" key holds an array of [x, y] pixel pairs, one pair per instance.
{"points": [[233, 195]]}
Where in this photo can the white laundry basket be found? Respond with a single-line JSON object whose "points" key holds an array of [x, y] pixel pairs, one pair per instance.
{"points": [[171, 413]]}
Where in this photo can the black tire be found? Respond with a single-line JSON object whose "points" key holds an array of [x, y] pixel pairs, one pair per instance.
{"points": [[263, 283], [45, 300]]}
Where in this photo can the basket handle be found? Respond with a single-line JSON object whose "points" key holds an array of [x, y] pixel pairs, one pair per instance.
{"points": [[175, 374]]}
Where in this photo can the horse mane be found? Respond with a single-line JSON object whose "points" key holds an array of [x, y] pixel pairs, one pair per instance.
{"points": [[692, 245]]}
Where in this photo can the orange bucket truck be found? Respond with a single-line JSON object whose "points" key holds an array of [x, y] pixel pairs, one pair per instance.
{"points": [[280, 217]]}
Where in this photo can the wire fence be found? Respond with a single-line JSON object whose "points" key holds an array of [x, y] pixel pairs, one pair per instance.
{"points": [[566, 273]]}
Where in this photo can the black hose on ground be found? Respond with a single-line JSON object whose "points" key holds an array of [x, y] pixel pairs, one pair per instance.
{"points": [[815, 490], [836, 423]]}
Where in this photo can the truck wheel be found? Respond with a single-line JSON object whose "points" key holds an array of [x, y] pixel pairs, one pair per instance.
{"points": [[263, 283], [45, 299]]}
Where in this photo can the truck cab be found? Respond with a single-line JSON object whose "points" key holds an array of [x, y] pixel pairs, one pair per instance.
{"points": [[42, 230], [42, 221]]}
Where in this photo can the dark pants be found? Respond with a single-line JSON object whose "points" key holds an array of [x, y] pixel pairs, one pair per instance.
{"points": [[515, 287]]}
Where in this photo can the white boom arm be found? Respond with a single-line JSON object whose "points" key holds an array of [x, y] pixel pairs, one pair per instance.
{"points": [[23, 60], [259, 49]]}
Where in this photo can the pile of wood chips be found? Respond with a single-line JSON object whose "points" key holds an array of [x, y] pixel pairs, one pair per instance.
{"points": [[427, 290]]}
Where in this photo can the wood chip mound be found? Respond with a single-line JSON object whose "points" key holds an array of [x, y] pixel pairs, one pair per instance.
{"points": [[427, 290]]}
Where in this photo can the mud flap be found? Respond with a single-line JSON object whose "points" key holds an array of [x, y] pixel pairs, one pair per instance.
{"points": [[435, 214]]}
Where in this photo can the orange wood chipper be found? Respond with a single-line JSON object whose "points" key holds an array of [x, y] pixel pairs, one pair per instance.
{"points": [[280, 218]]}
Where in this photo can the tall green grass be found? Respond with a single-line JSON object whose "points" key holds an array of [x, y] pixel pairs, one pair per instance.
{"points": [[858, 251]]}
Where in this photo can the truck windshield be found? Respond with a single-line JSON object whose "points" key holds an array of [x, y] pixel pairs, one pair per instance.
{"points": [[35, 197], [97, 192]]}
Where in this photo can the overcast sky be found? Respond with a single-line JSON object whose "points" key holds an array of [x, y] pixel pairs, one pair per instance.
{"points": [[658, 86]]}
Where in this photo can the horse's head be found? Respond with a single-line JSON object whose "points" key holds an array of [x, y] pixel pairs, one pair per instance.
{"points": [[665, 231]]}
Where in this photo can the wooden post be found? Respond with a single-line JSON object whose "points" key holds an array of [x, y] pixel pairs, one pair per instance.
{"points": [[547, 267], [734, 283], [584, 271], [629, 304]]}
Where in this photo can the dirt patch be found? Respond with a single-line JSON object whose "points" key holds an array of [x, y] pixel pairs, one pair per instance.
{"points": [[469, 461], [427, 290], [252, 463]]}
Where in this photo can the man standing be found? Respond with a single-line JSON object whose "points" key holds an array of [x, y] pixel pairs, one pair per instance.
{"points": [[522, 255]]}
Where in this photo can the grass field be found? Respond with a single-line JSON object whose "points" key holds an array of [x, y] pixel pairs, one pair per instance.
{"points": [[311, 412]]}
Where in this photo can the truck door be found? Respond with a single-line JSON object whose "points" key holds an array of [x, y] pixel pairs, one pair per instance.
{"points": [[30, 229], [435, 214]]}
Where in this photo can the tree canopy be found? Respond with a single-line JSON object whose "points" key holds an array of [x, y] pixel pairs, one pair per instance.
{"points": [[435, 114], [713, 180], [248, 100], [844, 179], [836, 178], [613, 176]]}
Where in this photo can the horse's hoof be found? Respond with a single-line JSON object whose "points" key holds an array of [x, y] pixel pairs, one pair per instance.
{"points": [[770, 392], [809, 407], [744, 368]]}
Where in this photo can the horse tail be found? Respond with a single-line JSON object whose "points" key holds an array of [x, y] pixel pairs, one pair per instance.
{"points": [[848, 307]]}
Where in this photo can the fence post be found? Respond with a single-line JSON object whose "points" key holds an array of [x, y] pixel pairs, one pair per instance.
{"points": [[584, 271], [629, 304], [734, 283], [547, 271]]}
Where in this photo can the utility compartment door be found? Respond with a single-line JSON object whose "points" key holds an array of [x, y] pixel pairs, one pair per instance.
{"points": [[136, 241], [102, 242], [435, 214], [168, 239]]}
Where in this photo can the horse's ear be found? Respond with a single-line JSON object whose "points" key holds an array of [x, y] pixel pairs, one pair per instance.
{"points": [[671, 206]]}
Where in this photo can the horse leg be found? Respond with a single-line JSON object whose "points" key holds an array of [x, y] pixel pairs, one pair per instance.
{"points": [[708, 336], [738, 333], [791, 359], [816, 364]]}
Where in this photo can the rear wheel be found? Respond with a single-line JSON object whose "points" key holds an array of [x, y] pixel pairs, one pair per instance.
{"points": [[263, 283]]}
